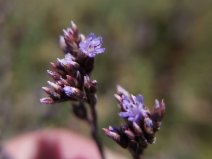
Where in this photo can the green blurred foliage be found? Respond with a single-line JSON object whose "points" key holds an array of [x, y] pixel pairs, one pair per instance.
{"points": [[161, 49]]}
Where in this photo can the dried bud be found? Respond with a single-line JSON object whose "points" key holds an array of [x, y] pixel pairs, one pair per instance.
{"points": [[129, 134], [90, 87], [87, 83], [94, 86], [114, 135], [82, 37], [123, 127], [158, 111], [137, 128], [114, 129], [78, 77], [54, 75], [162, 107], [63, 82], [47, 100], [70, 40], [121, 91], [52, 93], [119, 99], [75, 30], [122, 141], [148, 126], [63, 45], [139, 132], [57, 87], [72, 81], [57, 69], [74, 93]]}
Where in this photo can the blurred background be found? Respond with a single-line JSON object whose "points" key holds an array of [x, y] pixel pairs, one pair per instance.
{"points": [[160, 49]]}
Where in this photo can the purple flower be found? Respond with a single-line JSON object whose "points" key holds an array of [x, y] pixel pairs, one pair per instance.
{"points": [[91, 46], [133, 107]]}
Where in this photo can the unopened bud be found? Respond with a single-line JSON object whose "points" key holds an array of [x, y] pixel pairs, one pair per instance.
{"points": [[148, 125], [94, 86], [63, 45], [56, 68], [78, 77], [72, 81], [82, 37], [57, 87], [137, 128], [87, 82], [156, 111], [114, 129], [70, 66], [115, 136], [123, 142], [123, 127], [54, 75], [74, 27], [162, 107], [47, 90], [68, 33], [122, 91], [47, 100], [52, 93], [74, 93], [129, 134], [119, 99]]}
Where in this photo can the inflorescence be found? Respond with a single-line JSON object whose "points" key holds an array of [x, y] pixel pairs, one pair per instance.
{"points": [[72, 82], [71, 74], [141, 124]]}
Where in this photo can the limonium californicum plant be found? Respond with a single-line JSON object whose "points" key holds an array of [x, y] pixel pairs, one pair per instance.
{"points": [[71, 82]]}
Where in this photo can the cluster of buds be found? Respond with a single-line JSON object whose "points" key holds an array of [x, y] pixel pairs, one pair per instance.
{"points": [[141, 124], [71, 74]]}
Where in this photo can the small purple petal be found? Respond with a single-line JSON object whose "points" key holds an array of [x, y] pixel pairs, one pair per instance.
{"points": [[133, 108], [91, 35], [123, 114], [140, 98], [99, 51]]}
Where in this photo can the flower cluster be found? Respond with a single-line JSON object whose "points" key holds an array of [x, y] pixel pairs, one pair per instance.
{"points": [[71, 74], [142, 124], [72, 82]]}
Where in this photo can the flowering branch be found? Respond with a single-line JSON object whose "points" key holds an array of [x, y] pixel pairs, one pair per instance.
{"points": [[71, 76], [141, 124]]}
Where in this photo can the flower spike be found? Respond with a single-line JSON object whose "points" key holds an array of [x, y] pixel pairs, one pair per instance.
{"points": [[141, 123]]}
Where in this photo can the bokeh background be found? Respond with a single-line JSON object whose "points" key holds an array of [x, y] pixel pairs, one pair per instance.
{"points": [[161, 49]]}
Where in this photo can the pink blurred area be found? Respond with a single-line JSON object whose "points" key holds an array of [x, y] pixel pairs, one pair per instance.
{"points": [[54, 144]]}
